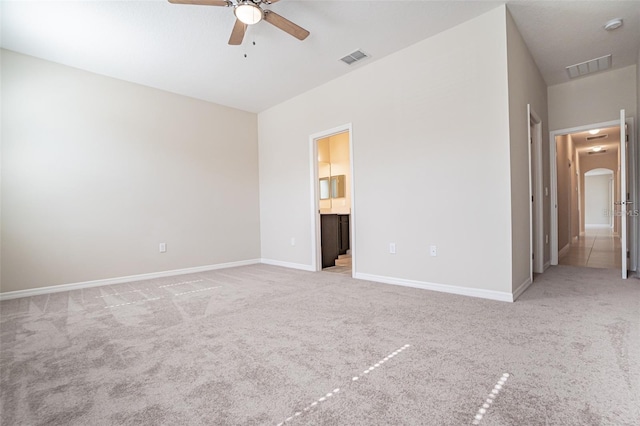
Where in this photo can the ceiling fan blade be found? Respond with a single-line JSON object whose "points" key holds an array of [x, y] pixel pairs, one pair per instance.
{"points": [[223, 3], [285, 25], [237, 34]]}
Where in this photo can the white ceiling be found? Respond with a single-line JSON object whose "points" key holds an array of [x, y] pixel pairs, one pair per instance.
{"points": [[183, 48], [563, 33]]}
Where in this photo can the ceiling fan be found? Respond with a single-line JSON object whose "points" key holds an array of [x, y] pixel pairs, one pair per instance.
{"points": [[249, 12]]}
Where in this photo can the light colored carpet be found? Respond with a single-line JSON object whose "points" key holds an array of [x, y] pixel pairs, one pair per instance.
{"points": [[255, 345]]}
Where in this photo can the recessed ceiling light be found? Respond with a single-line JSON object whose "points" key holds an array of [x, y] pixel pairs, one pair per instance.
{"points": [[597, 137], [596, 149], [594, 131], [613, 24]]}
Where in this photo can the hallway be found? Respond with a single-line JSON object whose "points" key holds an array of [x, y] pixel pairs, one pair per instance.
{"points": [[598, 248]]}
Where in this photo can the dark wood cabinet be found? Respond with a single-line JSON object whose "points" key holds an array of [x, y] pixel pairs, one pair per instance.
{"points": [[334, 237], [343, 233]]}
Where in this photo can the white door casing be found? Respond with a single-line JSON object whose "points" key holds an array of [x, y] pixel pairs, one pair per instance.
{"points": [[622, 200], [536, 227]]}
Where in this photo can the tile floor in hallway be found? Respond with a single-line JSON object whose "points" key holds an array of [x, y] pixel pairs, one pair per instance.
{"points": [[598, 248], [343, 265]]}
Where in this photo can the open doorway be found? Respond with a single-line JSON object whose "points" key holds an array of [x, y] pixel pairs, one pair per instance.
{"points": [[587, 187], [333, 200]]}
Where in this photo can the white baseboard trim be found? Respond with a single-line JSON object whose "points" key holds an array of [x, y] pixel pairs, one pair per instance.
{"points": [[443, 288], [119, 280], [521, 288], [547, 265], [564, 250], [288, 265]]}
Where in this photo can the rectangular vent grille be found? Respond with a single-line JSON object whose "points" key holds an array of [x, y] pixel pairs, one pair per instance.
{"points": [[354, 57], [593, 138], [599, 152], [595, 65]]}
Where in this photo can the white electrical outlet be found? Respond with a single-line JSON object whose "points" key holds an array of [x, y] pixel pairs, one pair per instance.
{"points": [[392, 248], [293, 241], [433, 251], [546, 239], [163, 247]]}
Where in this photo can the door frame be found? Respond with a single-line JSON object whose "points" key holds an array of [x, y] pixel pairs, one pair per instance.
{"points": [[623, 166], [316, 249], [631, 200], [633, 163], [633, 187], [536, 211]]}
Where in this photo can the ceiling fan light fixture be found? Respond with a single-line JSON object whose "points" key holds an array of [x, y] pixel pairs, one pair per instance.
{"points": [[248, 13]]}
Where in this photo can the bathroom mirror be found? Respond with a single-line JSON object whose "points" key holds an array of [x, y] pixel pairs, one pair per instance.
{"points": [[324, 173], [337, 186], [332, 187], [324, 188]]}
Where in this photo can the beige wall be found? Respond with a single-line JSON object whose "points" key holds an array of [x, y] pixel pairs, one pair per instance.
{"points": [[576, 209], [341, 165], [96, 172], [430, 125], [324, 153], [324, 170], [526, 86], [568, 196], [593, 99], [333, 159]]}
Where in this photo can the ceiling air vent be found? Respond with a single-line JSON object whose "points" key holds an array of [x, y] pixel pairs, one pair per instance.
{"points": [[602, 151], [354, 57], [594, 65], [593, 138]]}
